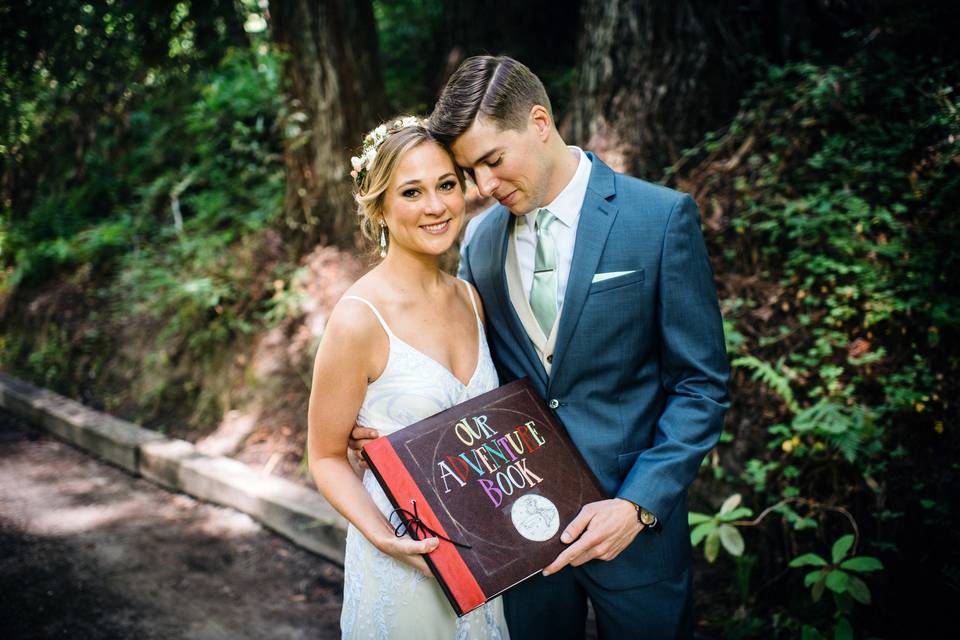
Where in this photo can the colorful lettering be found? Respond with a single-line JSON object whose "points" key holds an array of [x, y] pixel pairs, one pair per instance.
{"points": [[481, 422], [495, 450], [495, 495], [505, 446], [464, 433], [482, 455], [473, 465], [531, 477], [445, 471], [533, 432]]}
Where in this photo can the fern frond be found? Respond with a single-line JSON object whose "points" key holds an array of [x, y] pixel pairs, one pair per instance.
{"points": [[770, 376]]}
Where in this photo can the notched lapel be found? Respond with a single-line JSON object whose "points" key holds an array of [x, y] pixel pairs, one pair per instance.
{"points": [[596, 219], [495, 280]]}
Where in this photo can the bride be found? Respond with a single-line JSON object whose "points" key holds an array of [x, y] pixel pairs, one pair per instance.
{"points": [[405, 342]]}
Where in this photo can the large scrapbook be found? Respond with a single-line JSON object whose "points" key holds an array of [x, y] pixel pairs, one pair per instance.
{"points": [[496, 479]]}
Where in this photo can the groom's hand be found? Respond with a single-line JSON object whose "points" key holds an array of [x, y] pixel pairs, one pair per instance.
{"points": [[604, 529], [359, 438]]}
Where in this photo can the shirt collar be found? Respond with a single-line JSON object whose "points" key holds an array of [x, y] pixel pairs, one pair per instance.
{"points": [[566, 206]]}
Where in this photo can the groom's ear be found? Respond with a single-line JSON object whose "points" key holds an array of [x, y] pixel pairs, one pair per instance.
{"points": [[541, 121]]}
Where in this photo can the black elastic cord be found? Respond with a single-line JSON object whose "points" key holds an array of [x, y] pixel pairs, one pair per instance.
{"points": [[411, 522]]}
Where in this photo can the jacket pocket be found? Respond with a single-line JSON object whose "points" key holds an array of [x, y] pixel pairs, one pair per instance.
{"points": [[615, 283]]}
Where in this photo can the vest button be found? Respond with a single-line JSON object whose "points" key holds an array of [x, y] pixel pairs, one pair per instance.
{"points": [[550, 358], [554, 403]]}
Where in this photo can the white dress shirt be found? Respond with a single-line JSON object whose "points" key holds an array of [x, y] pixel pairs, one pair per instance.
{"points": [[566, 209]]}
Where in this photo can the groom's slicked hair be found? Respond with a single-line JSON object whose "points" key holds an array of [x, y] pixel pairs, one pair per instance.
{"points": [[501, 88]]}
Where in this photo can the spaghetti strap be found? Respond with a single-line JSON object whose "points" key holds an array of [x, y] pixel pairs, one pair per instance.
{"points": [[473, 302], [383, 323]]}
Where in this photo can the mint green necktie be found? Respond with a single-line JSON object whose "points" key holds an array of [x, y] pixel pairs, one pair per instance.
{"points": [[543, 292]]}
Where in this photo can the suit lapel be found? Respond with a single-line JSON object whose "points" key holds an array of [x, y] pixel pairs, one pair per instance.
{"points": [[596, 219], [497, 279], [496, 250]]}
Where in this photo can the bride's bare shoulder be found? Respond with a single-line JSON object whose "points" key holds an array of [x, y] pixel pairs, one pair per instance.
{"points": [[353, 319], [353, 342]]}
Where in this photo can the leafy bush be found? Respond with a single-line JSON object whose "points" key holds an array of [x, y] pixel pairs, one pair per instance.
{"points": [[225, 186], [830, 205], [172, 217], [70, 99]]}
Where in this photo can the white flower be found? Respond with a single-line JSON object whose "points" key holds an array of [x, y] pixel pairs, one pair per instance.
{"points": [[373, 140]]}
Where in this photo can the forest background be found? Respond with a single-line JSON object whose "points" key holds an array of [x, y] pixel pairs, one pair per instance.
{"points": [[176, 225]]}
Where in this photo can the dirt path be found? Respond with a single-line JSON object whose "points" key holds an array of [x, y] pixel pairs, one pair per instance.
{"points": [[89, 552]]}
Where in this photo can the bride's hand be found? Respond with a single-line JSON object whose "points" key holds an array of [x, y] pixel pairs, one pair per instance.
{"points": [[359, 437], [409, 551]]}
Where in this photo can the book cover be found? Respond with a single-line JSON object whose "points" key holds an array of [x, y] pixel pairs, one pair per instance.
{"points": [[496, 478]]}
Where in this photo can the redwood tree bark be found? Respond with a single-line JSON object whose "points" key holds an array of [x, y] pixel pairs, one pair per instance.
{"points": [[334, 93], [653, 77]]}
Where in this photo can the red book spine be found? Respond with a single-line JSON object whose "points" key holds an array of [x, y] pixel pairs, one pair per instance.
{"points": [[445, 559]]}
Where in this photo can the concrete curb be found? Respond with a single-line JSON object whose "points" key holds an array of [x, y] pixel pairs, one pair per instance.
{"points": [[295, 512]]}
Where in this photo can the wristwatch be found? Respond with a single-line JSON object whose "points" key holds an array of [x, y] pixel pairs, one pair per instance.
{"points": [[646, 518]]}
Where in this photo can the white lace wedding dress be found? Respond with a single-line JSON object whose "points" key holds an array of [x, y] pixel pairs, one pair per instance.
{"points": [[382, 597]]}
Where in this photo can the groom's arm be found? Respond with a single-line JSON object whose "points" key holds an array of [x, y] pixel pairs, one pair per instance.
{"points": [[694, 371]]}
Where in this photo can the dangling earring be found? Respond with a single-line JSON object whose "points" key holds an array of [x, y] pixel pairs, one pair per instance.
{"points": [[383, 239]]}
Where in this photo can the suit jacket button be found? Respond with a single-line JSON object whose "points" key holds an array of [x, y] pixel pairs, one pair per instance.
{"points": [[554, 403], [550, 358]]}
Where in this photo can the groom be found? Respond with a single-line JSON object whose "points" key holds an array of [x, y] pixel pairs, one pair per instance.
{"points": [[598, 288]]}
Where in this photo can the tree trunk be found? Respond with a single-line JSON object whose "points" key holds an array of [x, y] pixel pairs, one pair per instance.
{"points": [[653, 77], [334, 95]]}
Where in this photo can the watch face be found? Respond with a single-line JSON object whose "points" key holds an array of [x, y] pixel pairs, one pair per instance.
{"points": [[647, 518]]}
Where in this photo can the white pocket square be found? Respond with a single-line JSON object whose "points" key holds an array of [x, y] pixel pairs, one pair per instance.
{"points": [[600, 277]]}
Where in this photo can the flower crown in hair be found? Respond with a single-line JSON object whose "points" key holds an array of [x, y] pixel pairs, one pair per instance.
{"points": [[372, 141]]}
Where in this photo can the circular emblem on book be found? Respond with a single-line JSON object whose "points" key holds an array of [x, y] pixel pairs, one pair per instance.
{"points": [[535, 517]]}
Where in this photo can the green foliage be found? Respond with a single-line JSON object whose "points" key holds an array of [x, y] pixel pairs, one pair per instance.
{"points": [[49, 363], [95, 141], [71, 73], [837, 187], [158, 174], [66, 61], [287, 301], [769, 375], [716, 530], [409, 76], [188, 183], [838, 577], [139, 148]]}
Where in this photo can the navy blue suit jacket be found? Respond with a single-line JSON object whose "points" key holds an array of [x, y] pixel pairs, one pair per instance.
{"points": [[639, 368]]}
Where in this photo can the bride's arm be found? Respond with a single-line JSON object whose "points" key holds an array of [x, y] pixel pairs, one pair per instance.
{"points": [[346, 359]]}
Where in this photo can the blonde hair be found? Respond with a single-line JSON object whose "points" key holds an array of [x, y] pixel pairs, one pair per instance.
{"points": [[371, 191]]}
